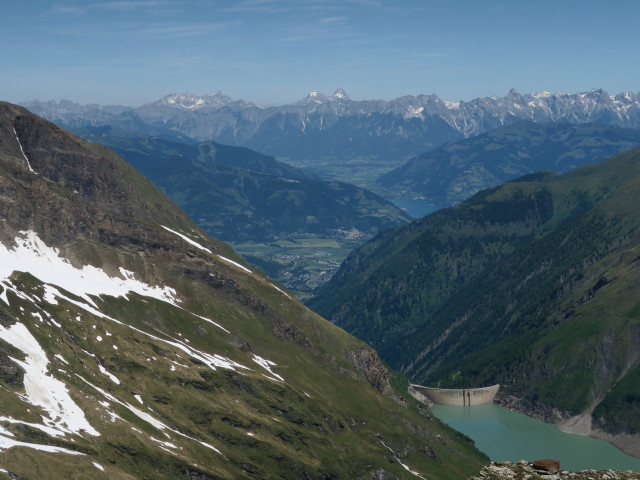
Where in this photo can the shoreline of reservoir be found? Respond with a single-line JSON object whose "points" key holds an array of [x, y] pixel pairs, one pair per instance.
{"points": [[506, 435]]}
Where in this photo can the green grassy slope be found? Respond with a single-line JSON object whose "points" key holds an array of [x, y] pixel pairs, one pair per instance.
{"points": [[532, 285], [189, 370]]}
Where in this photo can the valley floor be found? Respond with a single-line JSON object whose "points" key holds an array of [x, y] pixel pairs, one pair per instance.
{"points": [[301, 262]]}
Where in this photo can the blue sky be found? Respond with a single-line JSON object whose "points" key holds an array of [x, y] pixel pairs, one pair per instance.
{"points": [[274, 51]]}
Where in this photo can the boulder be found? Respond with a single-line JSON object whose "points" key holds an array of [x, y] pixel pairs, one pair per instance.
{"points": [[551, 466]]}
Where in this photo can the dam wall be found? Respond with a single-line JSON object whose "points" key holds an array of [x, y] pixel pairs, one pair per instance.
{"points": [[456, 396]]}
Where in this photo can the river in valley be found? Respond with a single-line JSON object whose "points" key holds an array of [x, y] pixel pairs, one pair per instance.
{"points": [[506, 435]]}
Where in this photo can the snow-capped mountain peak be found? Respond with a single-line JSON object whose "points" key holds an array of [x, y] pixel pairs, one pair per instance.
{"points": [[340, 94], [315, 96], [189, 101]]}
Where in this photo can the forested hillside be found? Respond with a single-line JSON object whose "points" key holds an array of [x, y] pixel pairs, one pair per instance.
{"points": [[533, 285]]}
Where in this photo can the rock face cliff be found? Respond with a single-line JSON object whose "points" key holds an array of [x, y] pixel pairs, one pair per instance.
{"points": [[133, 345]]}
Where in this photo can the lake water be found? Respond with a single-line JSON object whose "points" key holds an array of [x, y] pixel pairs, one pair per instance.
{"points": [[416, 208], [506, 435]]}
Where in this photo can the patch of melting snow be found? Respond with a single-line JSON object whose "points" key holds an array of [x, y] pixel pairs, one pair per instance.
{"points": [[98, 466], [212, 361], [113, 415], [162, 442], [42, 389], [22, 150], [87, 352], [9, 286], [61, 358], [6, 443], [112, 377], [403, 465], [179, 364], [138, 398], [210, 321], [139, 413], [281, 291], [146, 417], [187, 239], [43, 428], [228, 260], [267, 364], [4, 297], [30, 254]]}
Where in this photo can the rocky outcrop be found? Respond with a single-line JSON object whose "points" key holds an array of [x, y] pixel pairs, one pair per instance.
{"points": [[525, 470], [368, 363], [531, 408], [551, 466]]}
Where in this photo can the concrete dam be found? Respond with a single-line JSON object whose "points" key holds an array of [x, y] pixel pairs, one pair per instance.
{"points": [[461, 397]]}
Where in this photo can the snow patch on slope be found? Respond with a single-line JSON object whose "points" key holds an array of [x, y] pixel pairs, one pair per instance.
{"points": [[30, 254], [6, 443], [267, 364], [111, 376], [281, 291], [234, 263], [187, 239], [42, 389], [147, 417], [22, 150]]}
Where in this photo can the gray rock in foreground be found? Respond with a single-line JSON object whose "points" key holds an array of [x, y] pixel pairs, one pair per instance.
{"points": [[525, 470]]}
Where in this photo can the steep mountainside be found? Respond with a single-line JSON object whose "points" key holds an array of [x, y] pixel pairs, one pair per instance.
{"points": [[237, 194], [133, 345], [533, 285], [336, 127], [455, 171]]}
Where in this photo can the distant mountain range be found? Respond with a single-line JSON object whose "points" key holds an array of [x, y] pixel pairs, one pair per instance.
{"points": [[335, 127], [455, 171], [533, 285]]}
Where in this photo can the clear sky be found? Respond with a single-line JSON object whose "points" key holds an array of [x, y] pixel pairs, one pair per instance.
{"points": [[274, 51]]}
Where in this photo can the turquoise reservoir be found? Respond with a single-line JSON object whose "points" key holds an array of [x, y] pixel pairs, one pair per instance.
{"points": [[506, 435]]}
